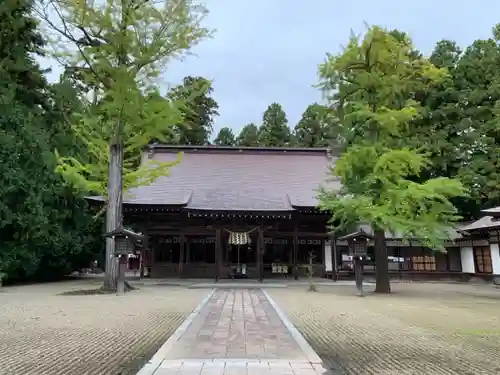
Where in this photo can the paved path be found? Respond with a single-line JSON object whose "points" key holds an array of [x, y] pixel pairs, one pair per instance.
{"points": [[240, 332]]}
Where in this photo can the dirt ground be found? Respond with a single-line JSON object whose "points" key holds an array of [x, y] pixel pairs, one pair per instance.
{"points": [[428, 329], [45, 333]]}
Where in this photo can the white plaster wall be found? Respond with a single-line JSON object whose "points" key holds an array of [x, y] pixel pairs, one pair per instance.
{"points": [[467, 258], [495, 258], [328, 256]]}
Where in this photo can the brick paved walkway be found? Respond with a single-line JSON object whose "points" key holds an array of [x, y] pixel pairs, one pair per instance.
{"points": [[236, 332]]}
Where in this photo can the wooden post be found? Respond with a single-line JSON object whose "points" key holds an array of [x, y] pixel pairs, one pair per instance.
{"points": [[144, 250], [188, 250], [335, 266], [182, 241], [122, 266], [145, 246], [260, 253], [218, 253], [358, 274], [295, 250]]}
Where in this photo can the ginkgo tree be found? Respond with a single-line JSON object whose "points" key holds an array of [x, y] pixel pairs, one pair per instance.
{"points": [[371, 84], [119, 49]]}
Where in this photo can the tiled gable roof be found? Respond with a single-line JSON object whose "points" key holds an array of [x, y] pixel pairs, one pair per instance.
{"points": [[245, 179]]}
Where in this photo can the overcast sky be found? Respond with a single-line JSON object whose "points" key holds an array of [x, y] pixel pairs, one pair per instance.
{"points": [[268, 51]]}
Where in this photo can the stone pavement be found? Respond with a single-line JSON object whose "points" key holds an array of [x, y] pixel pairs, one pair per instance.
{"points": [[240, 332]]}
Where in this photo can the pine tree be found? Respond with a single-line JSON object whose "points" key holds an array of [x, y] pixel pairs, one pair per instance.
{"points": [[274, 131], [249, 136], [225, 137]]}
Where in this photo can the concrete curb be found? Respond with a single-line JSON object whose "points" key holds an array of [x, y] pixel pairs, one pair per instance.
{"points": [[235, 285], [308, 351], [155, 362]]}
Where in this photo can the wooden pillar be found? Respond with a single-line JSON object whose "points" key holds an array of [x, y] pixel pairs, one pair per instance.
{"points": [[218, 253], [335, 263], [145, 244], [188, 250], [295, 250], [260, 254], [182, 241], [144, 251]]}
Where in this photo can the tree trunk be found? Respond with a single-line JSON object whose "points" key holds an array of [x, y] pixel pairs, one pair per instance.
{"points": [[114, 214], [383, 284]]}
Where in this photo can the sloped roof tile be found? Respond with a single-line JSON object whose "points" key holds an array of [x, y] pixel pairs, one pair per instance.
{"points": [[237, 179]]}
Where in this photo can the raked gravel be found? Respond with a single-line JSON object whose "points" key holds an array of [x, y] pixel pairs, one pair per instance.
{"points": [[45, 333], [421, 329]]}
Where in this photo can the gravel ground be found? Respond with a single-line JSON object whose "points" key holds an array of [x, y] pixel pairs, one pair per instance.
{"points": [[427, 329], [45, 333]]}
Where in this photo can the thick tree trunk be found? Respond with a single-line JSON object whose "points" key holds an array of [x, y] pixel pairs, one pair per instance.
{"points": [[114, 214], [383, 284]]}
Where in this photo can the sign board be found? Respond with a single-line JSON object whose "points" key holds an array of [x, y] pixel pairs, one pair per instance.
{"points": [[124, 246], [359, 248]]}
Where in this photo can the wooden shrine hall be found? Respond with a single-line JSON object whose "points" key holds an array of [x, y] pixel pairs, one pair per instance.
{"points": [[248, 212], [228, 212]]}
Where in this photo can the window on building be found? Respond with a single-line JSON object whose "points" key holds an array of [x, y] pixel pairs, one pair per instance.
{"points": [[423, 263], [201, 249], [277, 250], [166, 249], [482, 258], [307, 246]]}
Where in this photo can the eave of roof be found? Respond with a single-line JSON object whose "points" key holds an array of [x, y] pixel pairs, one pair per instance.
{"points": [[484, 223], [236, 149], [494, 211]]}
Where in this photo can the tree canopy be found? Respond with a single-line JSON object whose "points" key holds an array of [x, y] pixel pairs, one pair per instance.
{"points": [[274, 131], [249, 136], [225, 137], [45, 229], [198, 112], [373, 79]]}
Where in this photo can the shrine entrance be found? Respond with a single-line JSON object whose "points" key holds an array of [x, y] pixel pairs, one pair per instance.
{"points": [[242, 255]]}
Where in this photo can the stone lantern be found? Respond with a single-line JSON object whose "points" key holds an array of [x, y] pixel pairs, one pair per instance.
{"points": [[358, 245]]}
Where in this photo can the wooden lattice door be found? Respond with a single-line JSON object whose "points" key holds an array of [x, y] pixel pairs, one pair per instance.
{"points": [[482, 258]]}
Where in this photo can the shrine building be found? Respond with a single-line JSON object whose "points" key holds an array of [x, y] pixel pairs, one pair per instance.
{"points": [[249, 212]]}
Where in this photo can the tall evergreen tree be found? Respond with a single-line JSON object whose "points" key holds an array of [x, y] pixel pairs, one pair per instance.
{"points": [[198, 112], [225, 137], [249, 136], [459, 127], [314, 129], [20, 42], [44, 229], [274, 131]]}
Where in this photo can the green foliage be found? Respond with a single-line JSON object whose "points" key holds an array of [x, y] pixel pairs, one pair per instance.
{"points": [[225, 137], [198, 112], [20, 42], [121, 47], [45, 231], [316, 128], [274, 131], [459, 128], [374, 78], [249, 136]]}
